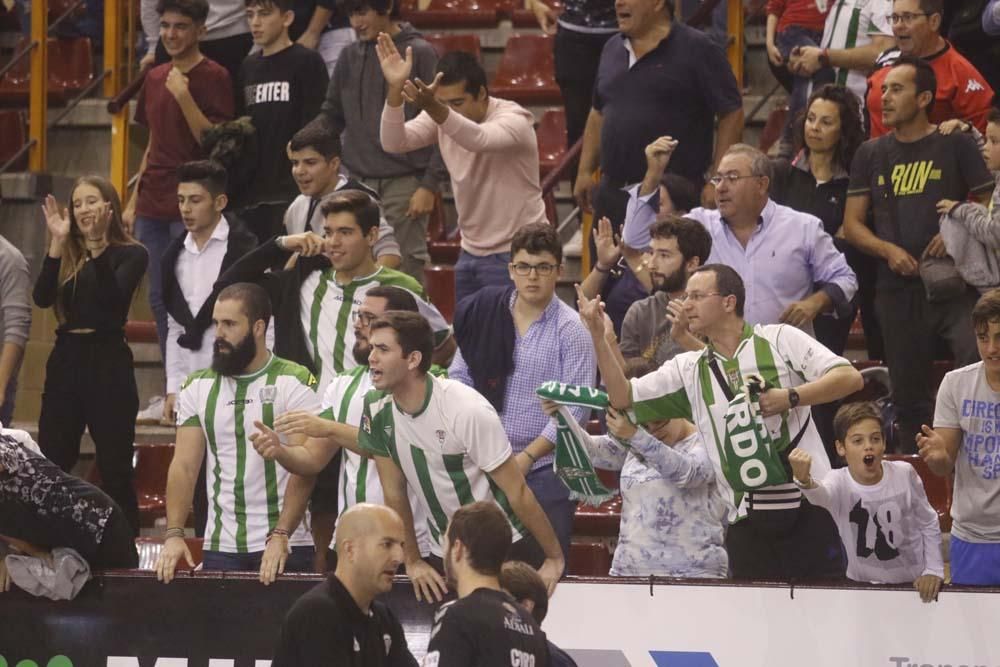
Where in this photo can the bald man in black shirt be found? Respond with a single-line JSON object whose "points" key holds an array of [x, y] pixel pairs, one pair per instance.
{"points": [[339, 622], [485, 627]]}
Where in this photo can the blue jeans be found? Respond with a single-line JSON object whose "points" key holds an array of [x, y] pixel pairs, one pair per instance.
{"points": [[553, 496], [300, 560], [974, 564], [786, 41], [474, 272], [156, 235]]}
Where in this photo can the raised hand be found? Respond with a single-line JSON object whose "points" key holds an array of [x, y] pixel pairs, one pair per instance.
{"points": [[591, 313], [801, 462], [395, 68], [619, 425], [658, 153], [544, 15], [608, 249], [423, 95], [57, 221]]}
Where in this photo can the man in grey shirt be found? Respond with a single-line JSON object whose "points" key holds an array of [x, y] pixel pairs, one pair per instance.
{"points": [[655, 327], [966, 439], [15, 322]]}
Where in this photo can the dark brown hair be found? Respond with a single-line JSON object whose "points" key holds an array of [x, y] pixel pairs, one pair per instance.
{"points": [[850, 414], [524, 583], [485, 532], [536, 238], [413, 333], [365, 210], [986, 310], [693, 239]]}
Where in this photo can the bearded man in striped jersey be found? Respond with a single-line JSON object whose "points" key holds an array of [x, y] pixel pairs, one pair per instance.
{"points": [[251, 499], [748, 393]]}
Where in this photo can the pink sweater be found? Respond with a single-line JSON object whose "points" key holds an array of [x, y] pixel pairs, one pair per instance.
{"points": [[493, 167]]}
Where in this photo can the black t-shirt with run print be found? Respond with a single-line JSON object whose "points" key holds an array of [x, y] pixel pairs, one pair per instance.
{"points": [[922, 173], [486, 628]]}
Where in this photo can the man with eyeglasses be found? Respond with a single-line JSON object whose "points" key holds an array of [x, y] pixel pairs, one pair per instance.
{"points": [[962, 92], [511, 341], [748, 394], [792, 269], [313, 301], [856, 31]]}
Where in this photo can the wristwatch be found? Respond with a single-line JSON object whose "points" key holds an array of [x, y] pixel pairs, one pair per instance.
{"points": [[793, 397]]}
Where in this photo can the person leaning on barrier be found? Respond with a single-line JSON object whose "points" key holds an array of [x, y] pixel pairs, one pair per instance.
{"points": [[339, 622]]}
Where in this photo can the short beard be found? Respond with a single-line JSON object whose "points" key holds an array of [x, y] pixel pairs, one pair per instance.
{"points": [[675, 282], [238, 357], [360, 353]]}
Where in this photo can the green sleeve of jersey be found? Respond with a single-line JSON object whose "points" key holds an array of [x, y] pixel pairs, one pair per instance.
{"points": [[674, 405], [328, 414], [193, 420], [375, 435]]}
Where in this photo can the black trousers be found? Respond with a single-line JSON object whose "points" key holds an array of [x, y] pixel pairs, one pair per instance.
{"points": [[802, 544], [577, 55], [911, 326], [117, 549], [90, 383]]}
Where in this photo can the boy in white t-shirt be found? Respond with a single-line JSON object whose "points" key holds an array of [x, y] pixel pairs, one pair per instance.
{"points": [[889, 529]]}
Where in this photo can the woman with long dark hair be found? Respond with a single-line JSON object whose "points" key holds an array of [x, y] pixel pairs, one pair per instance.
{"points": [[89, 276], [828, 133]]}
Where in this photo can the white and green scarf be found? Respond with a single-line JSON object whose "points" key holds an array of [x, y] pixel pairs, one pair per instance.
{"points": [[572, 462]]}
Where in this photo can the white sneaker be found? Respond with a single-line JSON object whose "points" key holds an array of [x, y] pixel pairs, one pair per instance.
{"points": [[153, 413]]}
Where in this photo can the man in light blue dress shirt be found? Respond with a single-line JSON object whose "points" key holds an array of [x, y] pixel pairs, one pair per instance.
{"points": [[791, 268], [550, 343]]}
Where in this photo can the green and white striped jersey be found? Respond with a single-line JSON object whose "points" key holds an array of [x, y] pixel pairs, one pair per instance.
{"points": [[851, 23], [245, 492], [326, 307], [685, 387], [344, 402], [445, 450]]}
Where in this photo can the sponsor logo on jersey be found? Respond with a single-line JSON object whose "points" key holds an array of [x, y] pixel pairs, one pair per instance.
{"points": [[366, 424], [974, 86], [388, 430], [513, 621], [245, 401], [268, 394], [440, 434]]}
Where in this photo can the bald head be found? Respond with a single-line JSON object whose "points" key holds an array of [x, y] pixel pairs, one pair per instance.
{"points": [[367, 520]]}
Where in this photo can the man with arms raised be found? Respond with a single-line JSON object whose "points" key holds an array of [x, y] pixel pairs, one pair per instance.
{"points": [[748, 394], [339, 622], [250, 498]]}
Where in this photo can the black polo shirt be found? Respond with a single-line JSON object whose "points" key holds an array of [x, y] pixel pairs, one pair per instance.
{"points": [[326, 627], [676, 89]]}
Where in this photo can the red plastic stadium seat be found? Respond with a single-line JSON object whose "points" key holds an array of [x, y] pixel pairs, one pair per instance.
{"points": [[609, 478], [551, 139], [70, 70], [594, 427], [455, 14], [140, 331], [938, 488], [446, 43], [773, 127], [856, 337], [71, 67], [440, 281], [601, 521], [442, 248], [527, 71], [13, 135], [152, 462], [149, 550], [589, 558]]}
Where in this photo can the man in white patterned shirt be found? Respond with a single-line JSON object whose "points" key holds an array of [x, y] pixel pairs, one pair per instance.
{"points": [[748, 431], [250, 498]]}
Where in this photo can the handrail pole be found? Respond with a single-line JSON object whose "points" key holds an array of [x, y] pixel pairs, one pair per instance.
{"points": [[39, 87], [734, 50], [112, 86]]}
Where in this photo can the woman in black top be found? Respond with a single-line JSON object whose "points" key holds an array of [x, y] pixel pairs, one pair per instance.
{"points": [[815, 182], [89, 276]]}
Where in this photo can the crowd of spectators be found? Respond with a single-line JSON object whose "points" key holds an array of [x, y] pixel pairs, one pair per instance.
{"points": [[311, 377]]}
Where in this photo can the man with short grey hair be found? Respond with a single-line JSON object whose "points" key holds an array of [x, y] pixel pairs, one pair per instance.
{"points": [[15, 322], [792, 269]]}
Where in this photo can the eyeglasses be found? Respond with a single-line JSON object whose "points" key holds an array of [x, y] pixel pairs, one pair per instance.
{"points": [[364, 317], [523, 269], [906, 18], [729, 178], [697, 296]]}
